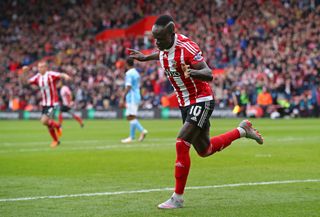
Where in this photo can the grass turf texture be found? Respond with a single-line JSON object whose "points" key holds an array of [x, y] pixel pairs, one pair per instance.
{"points": [[92, 160]]}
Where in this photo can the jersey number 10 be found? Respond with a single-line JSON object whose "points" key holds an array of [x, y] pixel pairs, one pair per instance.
{"points": [[196, 110]]}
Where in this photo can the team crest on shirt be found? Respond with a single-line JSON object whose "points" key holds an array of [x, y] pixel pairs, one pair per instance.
{"points": [[198, 56], [174, 64]]}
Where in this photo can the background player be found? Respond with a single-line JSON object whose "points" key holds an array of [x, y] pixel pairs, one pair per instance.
{"points": [[132, 99], [66, 104], [189, 75], [47, 80]]}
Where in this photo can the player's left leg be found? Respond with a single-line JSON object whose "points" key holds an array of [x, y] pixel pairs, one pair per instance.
{"points": [[202, 142], [206, 147], [76, 117], [141, 129]]}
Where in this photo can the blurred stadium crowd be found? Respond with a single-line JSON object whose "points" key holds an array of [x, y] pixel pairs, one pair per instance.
{"points": [[269, 50]]}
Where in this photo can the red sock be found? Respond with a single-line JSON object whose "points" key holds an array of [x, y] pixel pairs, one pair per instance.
{"points": [[60, 118], [52, 123], [77, 119], [217, 143], [182, 165], [53, 133]]}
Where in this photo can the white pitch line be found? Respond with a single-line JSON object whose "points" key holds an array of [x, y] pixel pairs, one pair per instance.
{"points": [[156, 190], [270, 138], [169, 142], [46, 142], [81, 141], [106, 147]]}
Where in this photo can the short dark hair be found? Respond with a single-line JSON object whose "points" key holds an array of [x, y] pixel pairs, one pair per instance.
{"points": [[163, 20], [129, 61]]}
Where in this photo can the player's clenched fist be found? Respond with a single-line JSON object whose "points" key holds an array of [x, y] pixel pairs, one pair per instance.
{"points": [[25, 69], [186, 70]]}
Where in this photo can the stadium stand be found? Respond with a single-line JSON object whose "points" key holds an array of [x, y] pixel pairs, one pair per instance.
{"points": [[272, 45]]}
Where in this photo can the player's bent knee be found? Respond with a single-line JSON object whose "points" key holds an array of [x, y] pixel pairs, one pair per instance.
{"points": [[182, 146], [205, 153], [44, 121]]}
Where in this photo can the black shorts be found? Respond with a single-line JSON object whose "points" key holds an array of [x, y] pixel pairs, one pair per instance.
{"points": [[48, 111], [198, 114], [65, 108]]}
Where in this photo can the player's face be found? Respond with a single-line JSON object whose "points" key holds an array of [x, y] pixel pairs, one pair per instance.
{"points": [[162, 36], [42, 66]]}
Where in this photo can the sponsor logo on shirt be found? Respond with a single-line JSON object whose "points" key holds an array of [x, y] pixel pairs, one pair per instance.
{"points": [[172, 73]]}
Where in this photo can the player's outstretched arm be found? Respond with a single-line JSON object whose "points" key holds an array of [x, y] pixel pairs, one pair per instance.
{"points": [[23, 75], [200, 71], [65, 77], [137, 55]]}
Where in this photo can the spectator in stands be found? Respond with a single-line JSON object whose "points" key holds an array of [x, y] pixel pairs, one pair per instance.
{"points": [[269, 43], [265, 101], [241, 100]]}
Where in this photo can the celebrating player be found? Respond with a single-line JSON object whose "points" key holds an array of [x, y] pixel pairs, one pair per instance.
{"points": [[133, 98], [46, 80], [185, 67], [66, 104]]}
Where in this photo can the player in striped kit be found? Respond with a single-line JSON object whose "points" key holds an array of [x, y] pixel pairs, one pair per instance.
{"points": [[185, 67], [66, 104], [47, 80]]}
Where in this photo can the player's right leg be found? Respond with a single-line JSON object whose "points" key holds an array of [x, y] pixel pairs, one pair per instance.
{"points": [[181, 171], [60, 117], [133, 111], [182, 163], [45, 120], [132, 129], [131, 114], [49, 112]]}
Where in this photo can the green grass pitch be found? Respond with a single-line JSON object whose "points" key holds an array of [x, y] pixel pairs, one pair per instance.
{"points": [[92, 160]]}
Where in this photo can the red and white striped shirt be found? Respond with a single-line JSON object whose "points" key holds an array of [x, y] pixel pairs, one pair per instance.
{"points": [[66, 96], [47, 84], [188, 90]]}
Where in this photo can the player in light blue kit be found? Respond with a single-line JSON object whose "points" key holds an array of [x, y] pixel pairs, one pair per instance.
{"points": [[133, 99]]}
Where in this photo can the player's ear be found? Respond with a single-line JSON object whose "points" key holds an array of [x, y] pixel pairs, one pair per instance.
{"points": [[170, 27]]}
